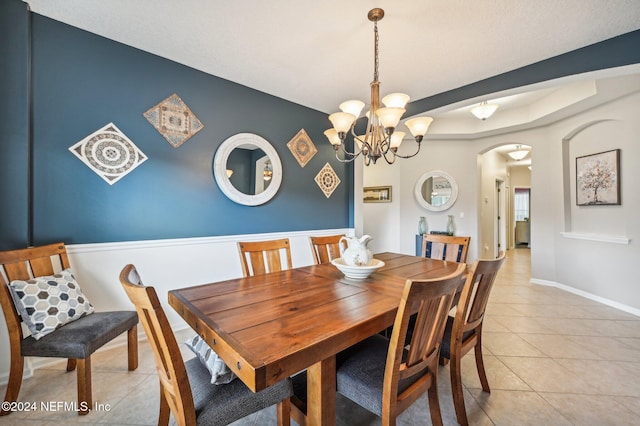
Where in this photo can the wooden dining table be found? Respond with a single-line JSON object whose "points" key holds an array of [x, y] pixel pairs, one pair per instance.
{"points": [[270, 327]]}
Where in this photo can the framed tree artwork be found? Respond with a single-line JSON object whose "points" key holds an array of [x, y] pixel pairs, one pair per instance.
{"points": [[598, 179]]}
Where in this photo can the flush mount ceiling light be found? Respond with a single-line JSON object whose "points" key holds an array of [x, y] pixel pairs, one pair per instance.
{"points": [[484, 110], [380, 139], [519, 153]]}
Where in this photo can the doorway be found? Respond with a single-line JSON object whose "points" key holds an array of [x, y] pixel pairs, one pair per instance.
{"points": [[521, 216], [500, 224], [498, 176]]}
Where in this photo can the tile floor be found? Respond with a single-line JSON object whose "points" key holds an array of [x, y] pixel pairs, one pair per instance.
{"points": [[553, 358]]}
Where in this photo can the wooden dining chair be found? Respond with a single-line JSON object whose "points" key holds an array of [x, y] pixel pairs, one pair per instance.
{"points": [[261, 257], [381, 375], [185, 387], [76, 340], [464, 331], [325, 248], [445, 247]]}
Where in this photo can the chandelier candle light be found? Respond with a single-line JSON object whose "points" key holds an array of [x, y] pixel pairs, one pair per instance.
{"points": [[380, 139]]}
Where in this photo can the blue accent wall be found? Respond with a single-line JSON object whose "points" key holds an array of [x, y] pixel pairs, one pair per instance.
{"points": [[14, 110], [83, 82]]}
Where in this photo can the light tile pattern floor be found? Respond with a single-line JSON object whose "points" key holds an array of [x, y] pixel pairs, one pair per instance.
{"points": [[552, 358]]}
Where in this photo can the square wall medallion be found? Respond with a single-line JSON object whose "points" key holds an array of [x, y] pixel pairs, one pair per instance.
{"points": [[109, 153], [302, 147], [327, 180], [174, 120]]}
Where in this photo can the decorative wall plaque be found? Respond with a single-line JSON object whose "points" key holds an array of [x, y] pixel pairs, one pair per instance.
{"points": [[302, 147], [327, 180], [174, 120], [109, 153]]}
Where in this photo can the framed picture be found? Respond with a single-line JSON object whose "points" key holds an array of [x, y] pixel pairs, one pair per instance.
{"points": [[598, 179], [377, 194]]}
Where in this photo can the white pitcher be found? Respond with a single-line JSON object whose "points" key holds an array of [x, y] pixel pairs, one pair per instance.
{"points": [[356, 253]]}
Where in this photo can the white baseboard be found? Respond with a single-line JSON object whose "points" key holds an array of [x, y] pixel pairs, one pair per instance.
{"points": [[604, 301]]}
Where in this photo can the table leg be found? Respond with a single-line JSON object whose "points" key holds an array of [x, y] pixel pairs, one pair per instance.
{"points": [[321, 393]]}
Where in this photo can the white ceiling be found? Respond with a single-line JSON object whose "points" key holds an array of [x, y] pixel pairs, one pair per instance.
{"points": [[320, 53]]}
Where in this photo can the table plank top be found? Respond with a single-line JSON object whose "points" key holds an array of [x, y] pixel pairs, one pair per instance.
{"points": [[271, 326]]}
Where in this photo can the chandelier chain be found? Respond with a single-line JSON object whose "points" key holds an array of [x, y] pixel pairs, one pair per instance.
{"points": [[376, 40]]}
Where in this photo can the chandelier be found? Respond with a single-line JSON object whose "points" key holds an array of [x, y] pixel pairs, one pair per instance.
{"points": [[381, 138], [268, 171]]}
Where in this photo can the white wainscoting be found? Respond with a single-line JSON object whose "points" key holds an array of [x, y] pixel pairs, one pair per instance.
{"points": [[163, 264]]}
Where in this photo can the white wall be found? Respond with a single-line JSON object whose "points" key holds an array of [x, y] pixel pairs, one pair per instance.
{"points": [[163, 264], [381, 220], [602, 270], [598, 251], [402, 214], [493, 166], [520, 176]]}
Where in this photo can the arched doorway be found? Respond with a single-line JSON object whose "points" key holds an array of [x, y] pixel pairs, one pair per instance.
{"points": [[504, 214]]}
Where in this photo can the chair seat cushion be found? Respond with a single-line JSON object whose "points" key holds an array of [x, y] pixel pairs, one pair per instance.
{"points": [[360, 376], [223, 404], [445, 349], [82, 337]]}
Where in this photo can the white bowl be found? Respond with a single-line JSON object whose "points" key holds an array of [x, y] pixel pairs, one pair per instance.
{"points": [[357, 272]]}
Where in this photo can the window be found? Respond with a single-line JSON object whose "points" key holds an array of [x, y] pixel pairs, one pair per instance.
{"points": [[521, 204]]}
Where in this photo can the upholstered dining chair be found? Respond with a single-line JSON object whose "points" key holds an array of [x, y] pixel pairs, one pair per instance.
{"points": [[44, 269], [325, 248], [382, 375], [261, 257], [185, 387], [445, 247], [464, 331]]}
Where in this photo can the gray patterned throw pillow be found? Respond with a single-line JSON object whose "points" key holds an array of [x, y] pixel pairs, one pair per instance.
{"points": [[49, 302], [220, 373]]}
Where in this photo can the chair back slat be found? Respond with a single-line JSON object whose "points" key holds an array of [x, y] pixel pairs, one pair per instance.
{"points": [[426, 338], [475, 295], [261, 257], [445, 247], [325, 248], [41, 266], [24, 264], [433, 299], [169, 362], [17, 271]]}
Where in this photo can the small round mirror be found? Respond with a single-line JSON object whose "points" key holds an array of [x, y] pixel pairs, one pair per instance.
{"points": [[247, 169], [436, 191]]}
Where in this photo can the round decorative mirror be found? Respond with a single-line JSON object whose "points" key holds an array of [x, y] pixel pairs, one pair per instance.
{"points": [[247, 169], [436, 190]]}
